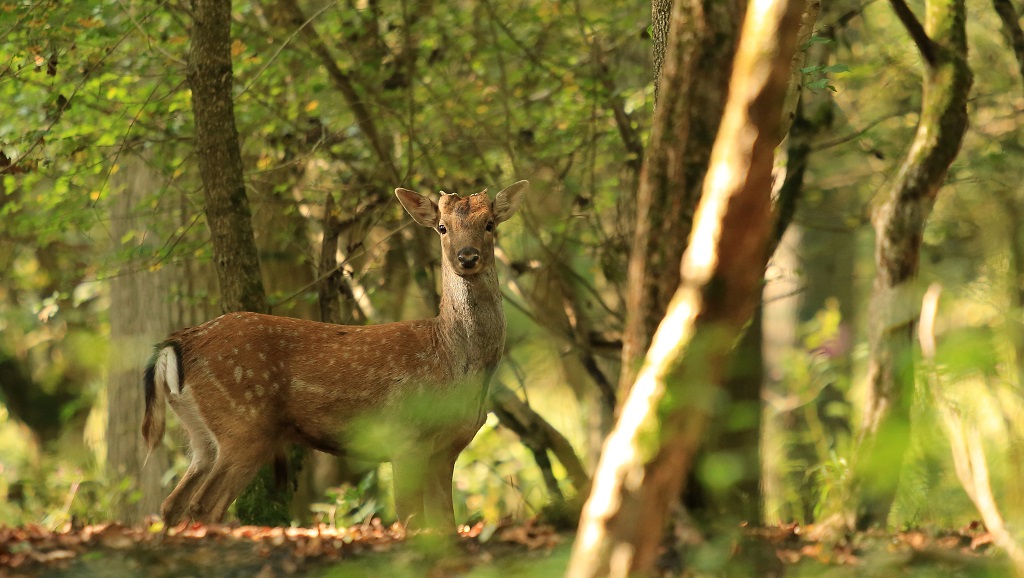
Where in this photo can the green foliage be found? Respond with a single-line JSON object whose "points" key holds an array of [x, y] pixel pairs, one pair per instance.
{"points": [[59, 488], [817, 77], [818, 420], [349, 505], [265, 502]]}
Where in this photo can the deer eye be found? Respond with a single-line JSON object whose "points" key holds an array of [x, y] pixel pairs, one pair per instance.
{"points": [[490, 226], [441, 228]]}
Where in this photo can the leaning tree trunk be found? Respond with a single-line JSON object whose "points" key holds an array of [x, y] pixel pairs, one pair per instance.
{"points": [[739, 437], [899, 224], [662, 422], [227, 208]]}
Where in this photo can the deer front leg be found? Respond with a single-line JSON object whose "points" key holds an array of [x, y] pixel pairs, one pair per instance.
{"points": [[438, 504], [408, 473]]}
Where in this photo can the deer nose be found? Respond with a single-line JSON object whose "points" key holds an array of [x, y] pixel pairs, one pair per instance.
{"points": [[468, 257]]}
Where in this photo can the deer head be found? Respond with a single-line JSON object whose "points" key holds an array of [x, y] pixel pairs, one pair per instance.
{"points": [[466, 225]]}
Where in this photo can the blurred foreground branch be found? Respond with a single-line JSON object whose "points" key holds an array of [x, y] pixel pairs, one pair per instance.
{"points": [[965, 442]]}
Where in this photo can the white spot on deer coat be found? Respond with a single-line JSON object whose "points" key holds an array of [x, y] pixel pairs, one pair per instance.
{"points": [[238, 374]]}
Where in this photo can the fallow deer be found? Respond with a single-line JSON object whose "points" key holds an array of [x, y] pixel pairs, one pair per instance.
{"points": [[414, 392]]}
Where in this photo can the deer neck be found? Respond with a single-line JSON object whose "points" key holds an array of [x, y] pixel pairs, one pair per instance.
{"points": [[471, 320]]}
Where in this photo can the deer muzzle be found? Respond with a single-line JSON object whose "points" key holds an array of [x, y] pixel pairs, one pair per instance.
{"points": [[468, 257]]}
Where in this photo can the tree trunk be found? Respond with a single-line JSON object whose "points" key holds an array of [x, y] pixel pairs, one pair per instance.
{"points": [[899, 225], [738, 438], [661, 24], [1009, 18], [146, 311], [220, 160], [693, 85], [227, 207], [662, 422]]}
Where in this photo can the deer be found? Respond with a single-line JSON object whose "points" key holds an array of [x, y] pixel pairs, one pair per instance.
{"points": [[244, 385]]}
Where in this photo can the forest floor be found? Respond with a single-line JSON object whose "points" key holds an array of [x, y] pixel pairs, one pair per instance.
{"points": [[514, 551]]}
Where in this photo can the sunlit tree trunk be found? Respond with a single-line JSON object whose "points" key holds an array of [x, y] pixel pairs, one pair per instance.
{"points": [[738, 438], [899, 225], [664, 417]]}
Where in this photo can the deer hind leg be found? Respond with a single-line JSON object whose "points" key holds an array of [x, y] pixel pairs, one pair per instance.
{"points": [[204, 453], [237, 463]]}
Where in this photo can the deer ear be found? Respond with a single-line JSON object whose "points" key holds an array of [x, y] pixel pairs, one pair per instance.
{"points": [[421, 209], [507, 201]]}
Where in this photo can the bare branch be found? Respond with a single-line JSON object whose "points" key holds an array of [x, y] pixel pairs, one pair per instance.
{"points": [[916, 31], [536, 432]]}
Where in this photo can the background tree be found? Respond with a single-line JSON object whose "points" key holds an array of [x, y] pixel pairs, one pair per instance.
{"points": [[143, 317], [899, 225], [210, 76]]}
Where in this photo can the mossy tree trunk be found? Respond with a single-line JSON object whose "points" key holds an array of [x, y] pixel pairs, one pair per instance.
{"points": [[899, 225]]}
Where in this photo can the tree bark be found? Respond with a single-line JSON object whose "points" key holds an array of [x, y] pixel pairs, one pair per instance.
{"points": [[662, 421], [220, 160], [693, 85], [899, 225], [1012, 31], [661, 24], [147, 309], [227, 207]]}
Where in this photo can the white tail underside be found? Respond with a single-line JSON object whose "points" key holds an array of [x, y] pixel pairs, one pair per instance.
{"points": [[166, 371]]}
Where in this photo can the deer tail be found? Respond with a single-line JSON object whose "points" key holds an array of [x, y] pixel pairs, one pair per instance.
{"points": [[163, 374]]}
